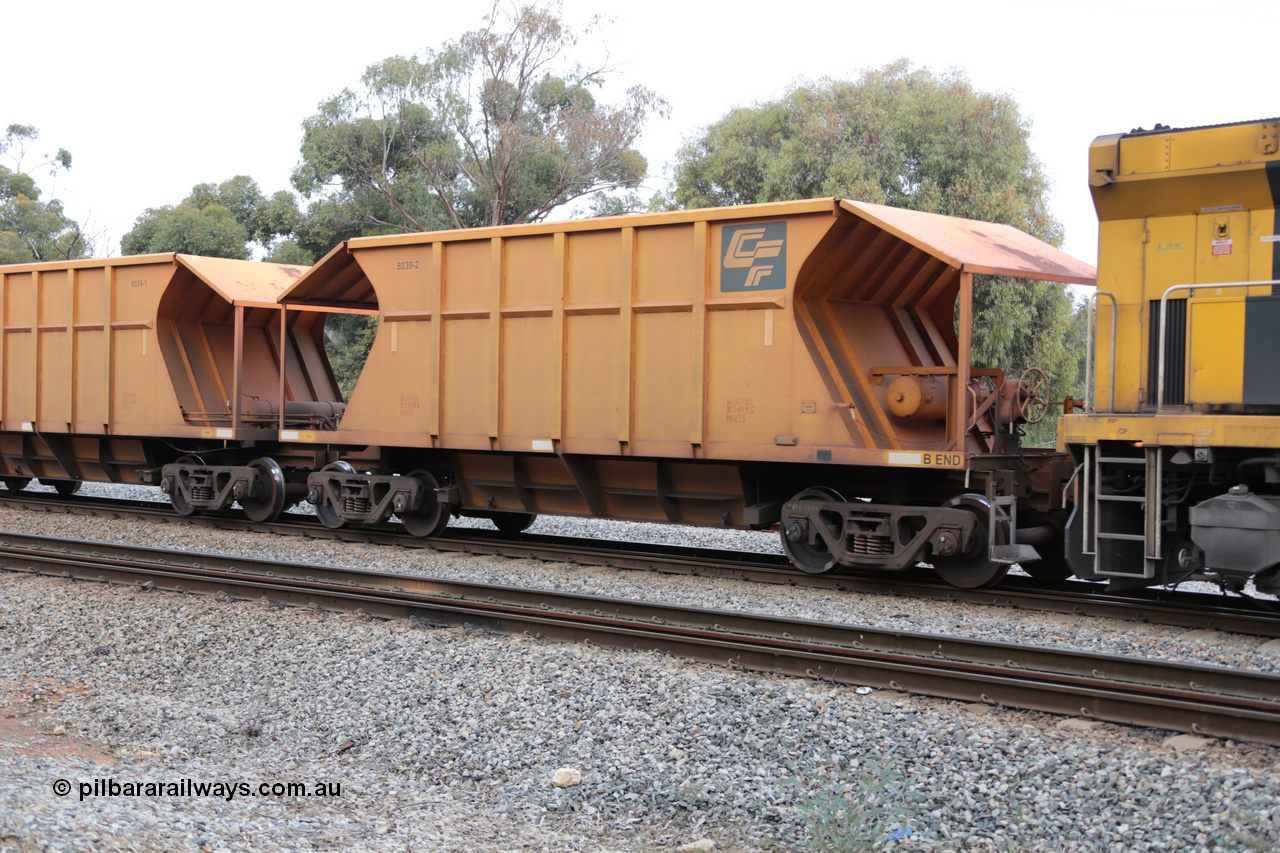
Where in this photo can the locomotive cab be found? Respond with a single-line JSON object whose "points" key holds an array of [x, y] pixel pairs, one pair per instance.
{"points": [[1178, 463]]}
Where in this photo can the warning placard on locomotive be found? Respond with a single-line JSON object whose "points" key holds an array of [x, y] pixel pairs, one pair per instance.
{"points": [[753, 257]]}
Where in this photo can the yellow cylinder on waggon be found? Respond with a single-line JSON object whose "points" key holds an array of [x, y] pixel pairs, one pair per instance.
{"points": [[727, 366]]}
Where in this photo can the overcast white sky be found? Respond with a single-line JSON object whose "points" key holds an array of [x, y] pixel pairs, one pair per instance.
{"points": [[152, 98]]}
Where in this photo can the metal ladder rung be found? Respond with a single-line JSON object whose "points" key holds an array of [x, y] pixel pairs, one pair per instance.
{"points": [[1099, 467]]}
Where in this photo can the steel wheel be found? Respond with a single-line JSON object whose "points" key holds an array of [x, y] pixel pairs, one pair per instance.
{"points": [[269, 502], [974, 569], [812, 557], [16, 484], [180, 505], [329, 515], [511, 523], [432, 517], [66, 488]]}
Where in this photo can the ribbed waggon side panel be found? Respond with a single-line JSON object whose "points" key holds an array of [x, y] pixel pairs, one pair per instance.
{"points": [[606, 340], [79, 348], [96, 355]]}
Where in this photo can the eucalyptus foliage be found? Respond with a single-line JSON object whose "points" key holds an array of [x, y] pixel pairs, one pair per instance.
{"points": [[492, 128], [217, 221], [30, 229], [211, 231]]}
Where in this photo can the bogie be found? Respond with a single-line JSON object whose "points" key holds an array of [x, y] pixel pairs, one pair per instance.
{"points": [[422, 500]]}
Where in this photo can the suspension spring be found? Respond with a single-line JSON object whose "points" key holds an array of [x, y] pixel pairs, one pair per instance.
{"points": [[871, 544]]}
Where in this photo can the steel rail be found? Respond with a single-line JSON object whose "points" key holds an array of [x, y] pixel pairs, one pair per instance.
{"points": [[1255, 617], [1181, 697]]}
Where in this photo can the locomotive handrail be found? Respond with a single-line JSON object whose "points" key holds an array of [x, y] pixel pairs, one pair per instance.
{"points": [[1067, 486], [1088, 358], [1164, 300]]}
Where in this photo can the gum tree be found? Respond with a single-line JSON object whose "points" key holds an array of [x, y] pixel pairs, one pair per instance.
{"points": [[31, 229], [220, 221], [495, 127]]}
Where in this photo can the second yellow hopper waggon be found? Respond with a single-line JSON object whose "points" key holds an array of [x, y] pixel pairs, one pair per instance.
{"points": [[163, 369], [794, 364]]}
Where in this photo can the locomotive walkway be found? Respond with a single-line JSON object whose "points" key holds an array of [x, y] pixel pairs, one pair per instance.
{"points": [[1239, 615], [1182, 697]]}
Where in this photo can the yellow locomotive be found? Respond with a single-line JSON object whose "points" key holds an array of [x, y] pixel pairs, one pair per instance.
{"points": [[1178, 458]]}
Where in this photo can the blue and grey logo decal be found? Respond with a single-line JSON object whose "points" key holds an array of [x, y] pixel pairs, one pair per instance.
{"points": [[754, 257]]}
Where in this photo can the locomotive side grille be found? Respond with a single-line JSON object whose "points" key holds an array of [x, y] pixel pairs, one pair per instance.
{"points": [[1175, 353]]}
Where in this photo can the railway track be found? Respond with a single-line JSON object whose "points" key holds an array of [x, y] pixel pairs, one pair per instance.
{"points": [[1240, 615], [1180, 697]]}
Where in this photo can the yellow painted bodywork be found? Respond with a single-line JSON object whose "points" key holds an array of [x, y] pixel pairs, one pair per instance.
{"points": [[1182, 171], [1179, 429], [1216, 332], [600, 341], [1181, 207], [624, 336], [142, 345]]}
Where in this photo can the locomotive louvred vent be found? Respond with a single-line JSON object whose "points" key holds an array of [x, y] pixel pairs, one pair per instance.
{"points": [[1175, 352]]}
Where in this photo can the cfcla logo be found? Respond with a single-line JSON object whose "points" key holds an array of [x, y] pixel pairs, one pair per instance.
{"points": [[755, 257]]}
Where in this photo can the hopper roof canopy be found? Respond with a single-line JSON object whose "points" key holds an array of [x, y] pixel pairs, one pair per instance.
{"points": [[977, 247], [242, 281], [337, 280], [232, 280]]}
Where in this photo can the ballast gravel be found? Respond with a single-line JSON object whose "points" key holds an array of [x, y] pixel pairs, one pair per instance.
{"points": [[449, 739], [1103, 636]]}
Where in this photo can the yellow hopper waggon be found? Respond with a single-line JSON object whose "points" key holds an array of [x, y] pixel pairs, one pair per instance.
{"points": [[164, 369], [794, 364]]}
